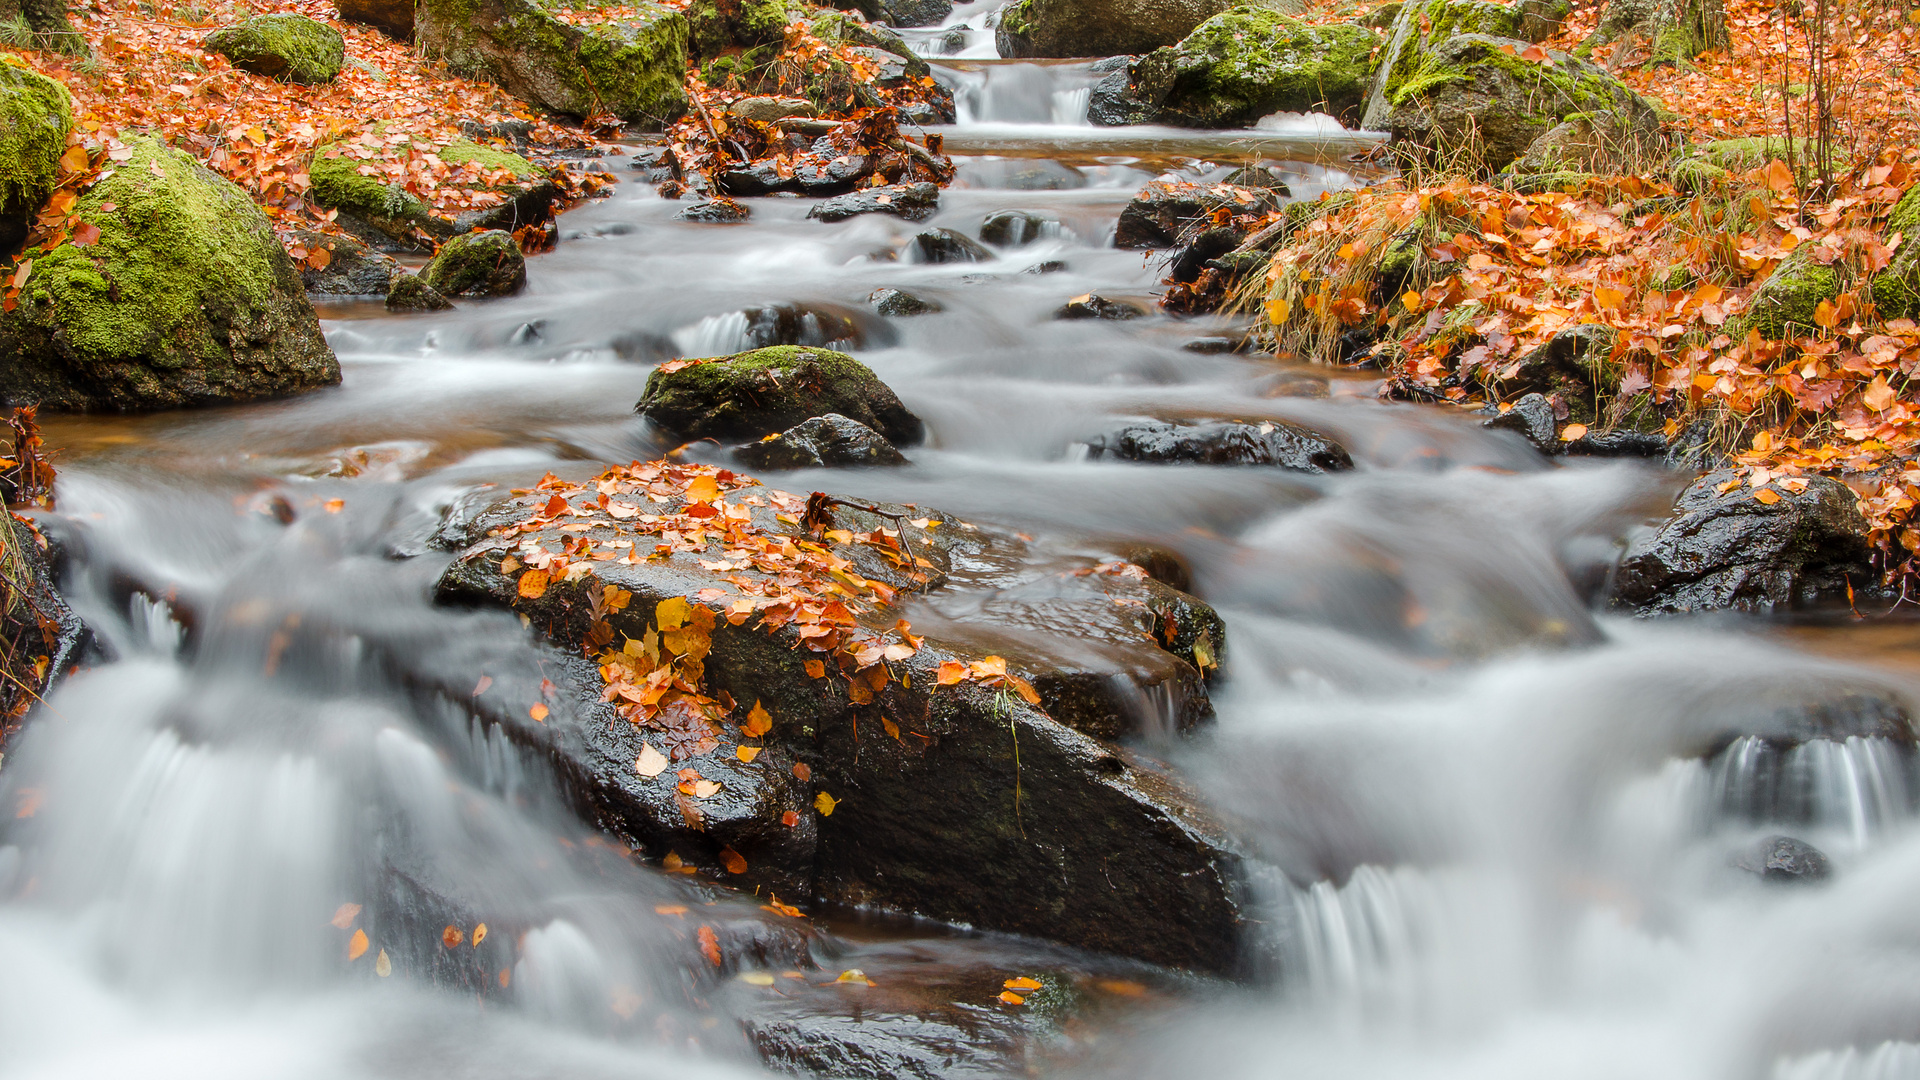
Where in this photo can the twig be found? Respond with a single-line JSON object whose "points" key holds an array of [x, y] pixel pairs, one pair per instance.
{"points": [[714, 130], [820, 502]]}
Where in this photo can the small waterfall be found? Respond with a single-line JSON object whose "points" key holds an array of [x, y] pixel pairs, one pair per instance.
{"points": [[1856, 788], [715, 335], [1888, 1061], [1020, 93]]}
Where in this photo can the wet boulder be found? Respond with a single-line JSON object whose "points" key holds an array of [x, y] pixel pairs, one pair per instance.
{"points": [[1113, 101], [1245, 63], [833, 752], [1475, 95], [716, 26], [1095, 306], [393, 18], [1016, 228], [824, 441], [916, 12], [1730, 546], [1588, 143], [720, 211], [409, 293], [1784, 860], [292, 48], [1221, 442], [914, 202], [1035, 29], [1785, 303], [895, 304], [353, 268], [753, 394], [946, 246], [1167, 209], [517, 191], [1532, 418], [632, 65], [385, 215], [1422, 26], [477, 264], [766, 110], [187, 298], [819, 325], [35, 115], [35, 622], [512, 192]]}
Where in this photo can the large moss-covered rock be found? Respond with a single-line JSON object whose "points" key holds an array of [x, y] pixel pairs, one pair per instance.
{"points": [[1474, 103], [714, 26], [186, 298], [35, 115], [631, 66], [391, 218], [1896, 289], [1423, 25], [47, 21], [753, 394], [1064, 28], [477, 264], [1785, 302], [1603, 142], [1242, 64], [293, 48]]}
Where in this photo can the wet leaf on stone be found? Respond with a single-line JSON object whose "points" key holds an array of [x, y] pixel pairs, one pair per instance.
{"points": [[533, 584], [651, 762], [759, 722], [452, 936], [344, 915], [825, 803], [709, 945], [733, 861]]}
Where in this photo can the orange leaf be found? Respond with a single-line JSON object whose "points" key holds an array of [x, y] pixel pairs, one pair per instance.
{"points": [[670, 909], [479, 934], [1008, 997], [452, 936], [1572, 432], [709, 946], [1878, 395], [816, 669], [789, 819], [953, 673], [357, 945], [758, 722], [1767, 496], [344, 915], [703, 489], [1022, 983], [75, 159], [533, 584], [1024, 689], [801, 772], [539, 713], [734, 862], [746, 753]]}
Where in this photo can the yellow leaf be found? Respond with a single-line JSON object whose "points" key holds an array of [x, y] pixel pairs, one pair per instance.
{"points": [[746, 753], [533, 584], [382, 966], [479, 934], [1767, 496], [704, 489], [1278, 309], [854, 975], [1572, 432], [75, 159], [756, 978], [1022, 983], [357, 945], [651, 762], [825, 803], [672, 613]]}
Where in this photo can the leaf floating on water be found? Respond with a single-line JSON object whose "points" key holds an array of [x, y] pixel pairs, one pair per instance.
{"points": [[856, 977], [774, 905], [746, 753], [452, 936], [357, 945], [651, 762], [756, 978], [479, 934], [709, 946], [825, 803], [1010, 998], [344, 915], [802, 772], [533, 584], [334, 506], [669, 909], [759, 721], [1122, 987], [382, 966], [1022, 983], [481, 686], [539, 713], [732, 860]]}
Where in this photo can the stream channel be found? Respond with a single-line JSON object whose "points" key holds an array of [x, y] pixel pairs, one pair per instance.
{"points": [[1496, 848]]}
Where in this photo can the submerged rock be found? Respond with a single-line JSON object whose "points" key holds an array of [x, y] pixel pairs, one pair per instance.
{"points": [[1015, 228], [914, 202], [409, 293], [35, 114], [1783, 859], [720, 211], [1070, 28], [187, 298], [1220, 442], [897, 305], [1747, 549], [631, 66], [830, 440], [947, 246], [1095, 306], [289, 47], [477, 264], [753, 394], [353, 268], [1245, 63], [1167, 209]]}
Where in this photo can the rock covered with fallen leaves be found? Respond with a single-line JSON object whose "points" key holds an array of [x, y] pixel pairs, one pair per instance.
{"points": [[511, 193], [174, 291], [754, 394], [35, 115], [1169, 211], [870, 704]]}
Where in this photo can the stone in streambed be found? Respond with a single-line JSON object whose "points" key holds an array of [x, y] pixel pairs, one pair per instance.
{"points": [[1243, 64], [1784, 860], [1015, 228], [35, 115], [766, 110], [1166, 210], [409, 293], [1113, 101], [824, 441], [947, 246], [187, 298], [1095, 306], [35, 620], [895, 304], [1269, 442], [757, 393], [1032, 29], [914, 202], [353, 268], [1736, 549], [721, 211], [477, 264], [292, 48], [911, 13]]}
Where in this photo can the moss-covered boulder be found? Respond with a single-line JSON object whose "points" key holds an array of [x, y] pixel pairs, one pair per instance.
{"points": [[715, 26], [1066, 28], [1242, 64], [631, 65], [1586, 143], [390, 218], [408, 293], [35, 115], [477, 264], [1421, 26], [1701, 166], [1476, 104], [393, 18], [186, 298], [1655, 33], [46, 23], [758, 393], [1784, 303], [1896, 289], [292, 48]]}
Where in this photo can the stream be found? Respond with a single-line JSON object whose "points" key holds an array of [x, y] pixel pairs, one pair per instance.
{"points": [[1494, 843]]}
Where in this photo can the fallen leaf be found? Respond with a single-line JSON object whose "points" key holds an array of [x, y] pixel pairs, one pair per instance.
{"points": [[670, 909], [703, 489], [789, 819], [1024, 689], [357, 945], [1008, 997], [731, 860], [533, 584], [1766, 496], [1572, 432], [382, 966], [452, 936], [334, 506], [1878, 395], [746, 753], [1123, 987], [1022, 983], [344, 915], [651, 762], [672, 613], [479, 934], [952, 673], [506, 978], [802, 772], [539, 713], [709, 945], [481, 686], [825, 803], [706, 789], [756, 978], [854, 976], [759, 722]]}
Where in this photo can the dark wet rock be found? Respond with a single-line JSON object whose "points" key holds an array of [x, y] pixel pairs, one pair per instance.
{"points": [[1213, 345], [632, 66], [1259, 176], [1220, 442], [1784, 860], [393, 18], [896, 304], [1617, 444], [1206, 251], [1051, 266], [35, 620], [1248, 62], [1015, 228], [293, 48], [37, 113], [914, 202], [1573, 368], [1077, 839], [408, 293], [1533, 419], [916, 12], [721, 211], [1166, 209], [1729, 549], [947, 246], [187, 298], [1095, 306], [753, 394], [477, 264], [353, 268], [818, 325], [766, 110], [830, 440], [1113, 101], [1070, 28], [755, 178]]}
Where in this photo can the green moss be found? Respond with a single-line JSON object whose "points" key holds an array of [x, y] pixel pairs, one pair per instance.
{"points": [[1535, 183], [1904, 218], [1422, 27], [489, 159], [1242, 64], [1017, 19], [756, 393], [1695, 175], [35, 115], [1785, 302], [477, 264], [290, 47], [338, 184]]}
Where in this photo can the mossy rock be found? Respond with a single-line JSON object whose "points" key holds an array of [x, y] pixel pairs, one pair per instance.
{"points": [[35, 115], [631, 66], [715, 26], [1242, 64], [409, 293], [1420, 27], [477, 264], [1032, 29], [1476, 106], [187, 298], [1784, 303], [292, 48], [1703, 166], [1896, 289], [1593, 143], [757, 393]]}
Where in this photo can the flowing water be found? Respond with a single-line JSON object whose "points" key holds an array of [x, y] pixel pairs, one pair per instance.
{"points": [[1494, 827]]}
